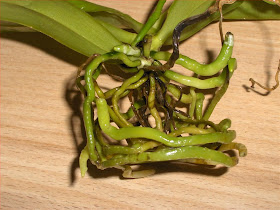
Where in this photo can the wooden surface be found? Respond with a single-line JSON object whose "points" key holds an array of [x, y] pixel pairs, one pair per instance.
{"points": [[41, 133]]}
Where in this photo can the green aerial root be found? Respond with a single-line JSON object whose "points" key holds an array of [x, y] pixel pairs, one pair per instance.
{"points": [[166, 121]]}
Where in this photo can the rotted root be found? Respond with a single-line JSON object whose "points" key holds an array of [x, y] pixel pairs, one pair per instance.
{"points": [[176, 39]]}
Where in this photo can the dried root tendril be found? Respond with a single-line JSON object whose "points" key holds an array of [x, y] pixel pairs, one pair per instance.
{"points": [[267, 88]]}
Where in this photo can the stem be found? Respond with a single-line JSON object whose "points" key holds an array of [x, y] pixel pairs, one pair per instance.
{"points": [[151, 21]]}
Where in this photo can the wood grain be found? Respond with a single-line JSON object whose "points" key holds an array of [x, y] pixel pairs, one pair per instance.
{"points": [[41, 131]]}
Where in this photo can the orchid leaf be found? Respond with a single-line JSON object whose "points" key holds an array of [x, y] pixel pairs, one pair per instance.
{"points": [[7, 26], [254, 10], [178, 11], [67, 21], [273, 2], [193, 29], [108, 15], [61, 21], [120, 34]]}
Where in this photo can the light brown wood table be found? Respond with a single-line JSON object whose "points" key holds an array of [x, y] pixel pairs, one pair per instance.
{"points": [[41, 129]]}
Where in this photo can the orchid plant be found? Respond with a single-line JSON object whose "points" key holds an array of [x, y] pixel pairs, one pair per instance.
{"points": [[167, 119]]}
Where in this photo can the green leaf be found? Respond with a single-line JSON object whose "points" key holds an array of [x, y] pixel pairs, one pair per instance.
{"points": [[108, 15], [61, 21], [121, 35], [178, 11], [13, 27], [193, 29], [240, 10], [254, 10]]}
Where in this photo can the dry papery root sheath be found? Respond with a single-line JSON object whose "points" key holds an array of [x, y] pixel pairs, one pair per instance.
{"points": [[268, 88]]}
